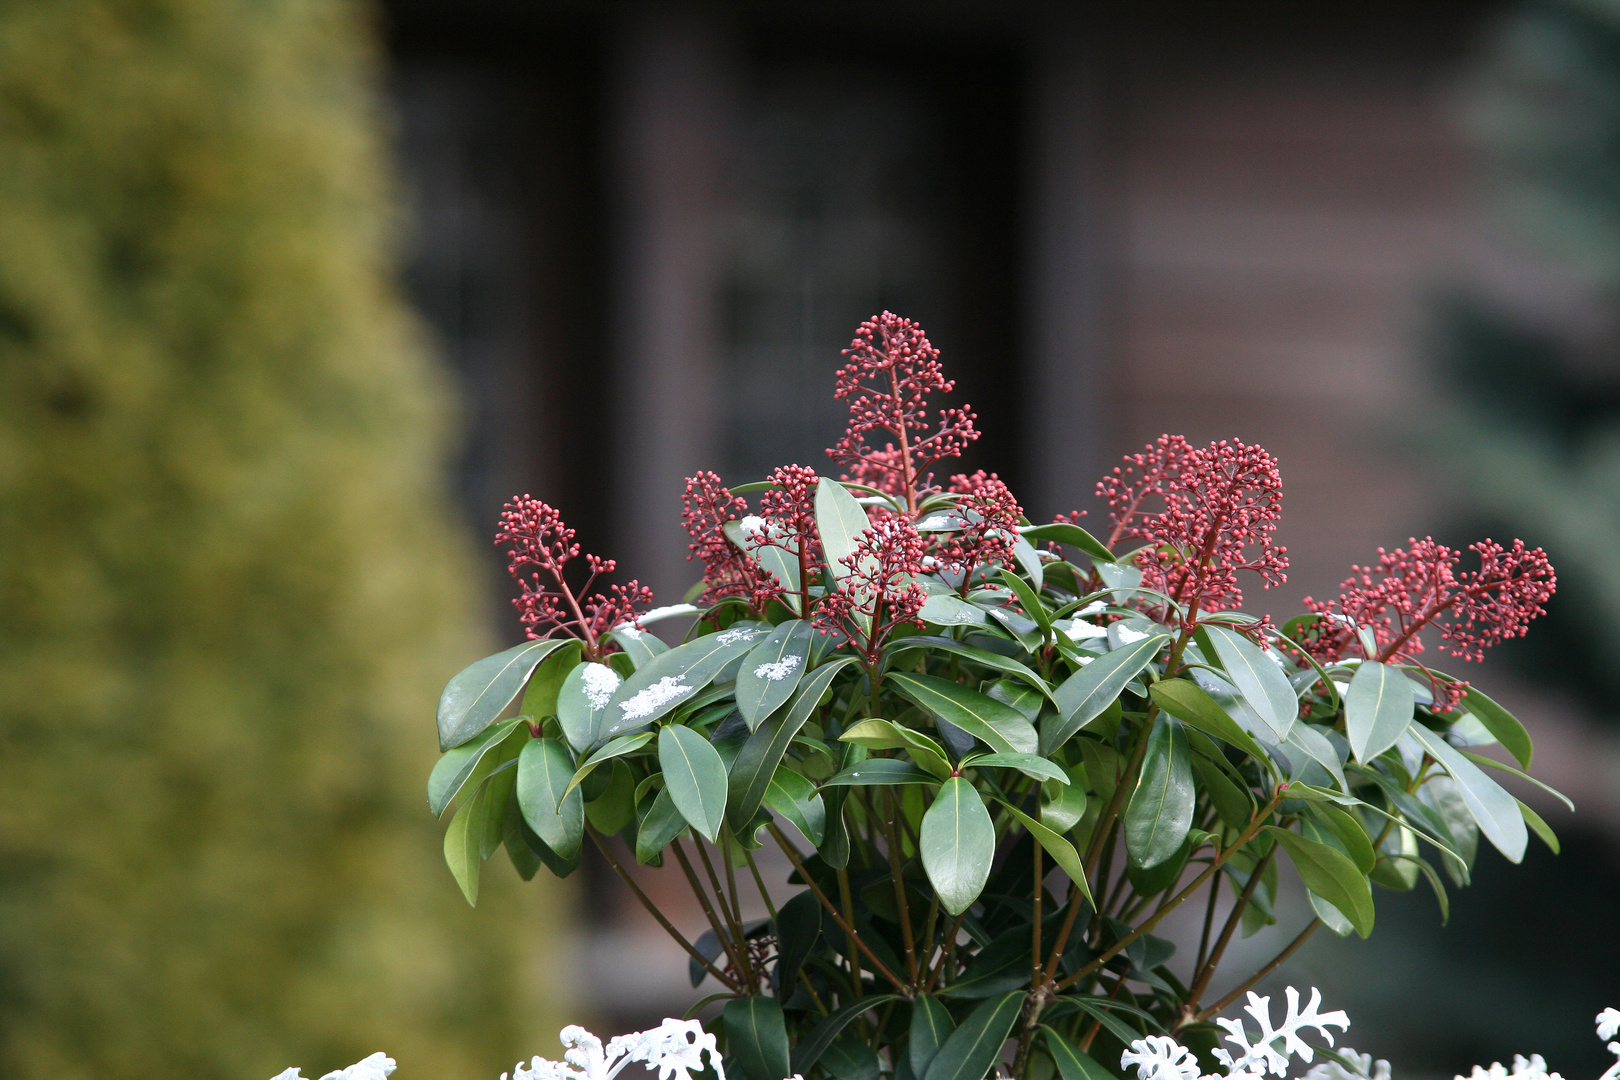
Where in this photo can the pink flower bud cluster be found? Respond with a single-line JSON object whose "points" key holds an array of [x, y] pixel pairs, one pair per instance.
{"points": [[1418, 587], [877, 594], [993, 514], [1220, 506], [706, 506], [538, 538], [892, 371], [789, 509]]}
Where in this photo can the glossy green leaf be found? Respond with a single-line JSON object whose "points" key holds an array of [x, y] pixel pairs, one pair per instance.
{"points": [[1232, 803], [471, 762], [1331, 917], [461, 842], [1501, 723], [1107, 1013], [757, 761], [1061, 851], [810, 1048], [1540, 828], [756, 1035], [1029, 601], [1072, 1062], [582, 701], [958, 842], [1029, 764], [661, 824], [615, 807], [1330, 874], [540, 699], [525, 859], [1377, 709], [1492, 763], [772, 670], [1315, 746], [695, 778], [876, 734], [1357, 844], [1072, 535], [999, 726], [1063, 805], [995, 661], [948, 609], [1258, 679], [481, 692], [1161, 808], [1029, 560], [674, 677], [798, 932], [624, 744], [544, 772], [775, 558], [795, 798], [1493, 809], [840, 520], [931, 1025], [875, 771], [1187, 702], [848, 1058], [640, 646], [972, 1048], [1083, 696]]}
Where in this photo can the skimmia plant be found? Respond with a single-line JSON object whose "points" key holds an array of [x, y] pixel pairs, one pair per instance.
{"points": [[997, 754]]}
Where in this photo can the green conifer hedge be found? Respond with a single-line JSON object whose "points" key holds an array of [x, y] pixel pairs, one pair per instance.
{"points": [[230, 582]]}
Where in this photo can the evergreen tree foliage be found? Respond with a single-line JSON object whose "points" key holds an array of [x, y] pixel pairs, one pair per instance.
{"points": [[230, 582]]}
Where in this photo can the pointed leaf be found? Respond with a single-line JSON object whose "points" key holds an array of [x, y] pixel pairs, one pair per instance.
{"points": [[640, 646], [772, 670], [1501, 723], [1161, 808], [755, 764], [813, 1045], [1072, 1062], [997, 725], [695, 778], [1028, 764], [1029, 560], [878, 734], [1377, 709], [1540, 828], [756, 1034], [582, 701], [1072, 535], [543, 773], [881, 771], [851, 1059], [1493, 809], [1028, 600], [674, 677], [461, 842], [1258, 678], [1061, 851], [995, 661], [662, 823], [840, 520], [795, 798], [481, 692], [624, 744], [1084, 695], [931, 1025], [540, 699], [471, 762], [1330, 874], [958, 841], [1492, 763], [1187, 702], [972, 1048]]}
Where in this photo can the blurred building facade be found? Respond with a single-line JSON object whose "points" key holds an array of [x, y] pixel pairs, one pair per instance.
{"points": [[645, 231]]}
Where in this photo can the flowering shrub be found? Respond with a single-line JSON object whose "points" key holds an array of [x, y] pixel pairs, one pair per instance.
{"points": [[997, 753]]}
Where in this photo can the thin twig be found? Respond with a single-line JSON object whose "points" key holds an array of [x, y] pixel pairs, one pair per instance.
{"points": [[900, 891], [1206, 971], [1249, 983], [715, 923]]}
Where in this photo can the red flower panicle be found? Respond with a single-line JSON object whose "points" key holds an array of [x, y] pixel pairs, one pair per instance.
{"points": [[1220, 507], [789, 513], [538, 538], [706, 507], [891, 372], [993, 514], [1418, 586], [878, 593]]}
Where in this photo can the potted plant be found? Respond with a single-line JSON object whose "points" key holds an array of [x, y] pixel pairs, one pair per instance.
{"points": [[996, 753]]}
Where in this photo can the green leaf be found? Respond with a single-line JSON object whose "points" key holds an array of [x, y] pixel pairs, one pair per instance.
{"points": [[840, 520], [775, 559], [878, 734], [972, 1048], [761, 753], [1061, 851], [478, 694], [756, 1034], [1330, 874], [1072, 1062], [1331, 917], [1493, 809], [615, 807], [851, 1059], [812, 1046], [1029, 601], [624, 744], [470, 762], [795, 798], [540, 699], [662, 823], [798, 930], [1161, 808], [1316, 747], [1257, 678], [948, 609], [583, 685], [641, 647], [1063, 805], [1501, 723], [958, 841], [1357, 844], [1028, 764], [1232, 803], [1492, 763], [931, 1025], [1075, 537], [688, 669], [772, 670], [1029, 560], [881, 771], [1084, 695], [1106, 1013], [544, 772], [695, 778], [1187, 702], [525, 859], [461, 843], [995, 661], [999, 726], [1377, 709], [1540, 827]]}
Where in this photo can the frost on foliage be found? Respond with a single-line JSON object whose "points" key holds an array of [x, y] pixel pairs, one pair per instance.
{"points": [[664, 690], [375, 1067], [777, 670], [1608, 1026], [675, 1048], [1159, 1057], [1533, 1069], [600, 682]]}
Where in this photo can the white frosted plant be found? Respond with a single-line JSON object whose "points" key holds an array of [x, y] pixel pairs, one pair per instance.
{"points": [[675, 1048], [376, 1067]]}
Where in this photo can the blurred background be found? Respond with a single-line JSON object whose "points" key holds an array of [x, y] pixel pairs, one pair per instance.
{"points": [[295, 293]]}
